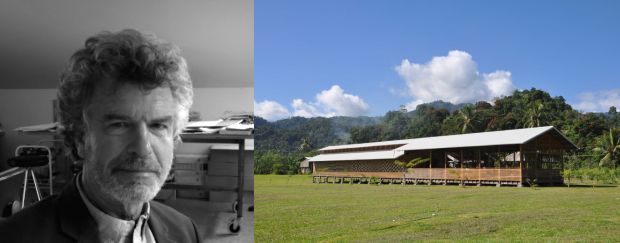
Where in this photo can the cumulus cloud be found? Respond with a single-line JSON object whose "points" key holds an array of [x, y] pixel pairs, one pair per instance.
{"points": [[413, 105], [331, 102], [598, 101], [303, 109], [454, 78], [270, 110], [339, 103]]}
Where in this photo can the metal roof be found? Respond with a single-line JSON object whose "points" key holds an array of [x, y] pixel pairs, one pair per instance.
{"points": [[506, 137], [370, 155], [363, 145]]}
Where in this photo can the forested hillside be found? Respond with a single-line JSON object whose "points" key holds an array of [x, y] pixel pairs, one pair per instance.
{"points": [[280, 144]]}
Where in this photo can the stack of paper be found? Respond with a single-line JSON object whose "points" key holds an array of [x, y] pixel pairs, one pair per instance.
{"points": [[239, 128], [48, 127], [222, 126]]}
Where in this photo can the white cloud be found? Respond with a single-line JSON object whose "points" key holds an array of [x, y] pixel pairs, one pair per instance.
{"points": [[328, 103], [339, 103], [598, 101], [454, 78], [270, 110], [303, 109], [413, 105], [331, 102]]}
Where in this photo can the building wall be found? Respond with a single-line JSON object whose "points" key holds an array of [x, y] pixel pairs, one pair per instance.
{"points": [[358, 166]]}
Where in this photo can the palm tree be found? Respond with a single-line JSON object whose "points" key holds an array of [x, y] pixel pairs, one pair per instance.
{"points": [[411, 164], [610, 145], [468, 119], [534, 114], [305, 145]]}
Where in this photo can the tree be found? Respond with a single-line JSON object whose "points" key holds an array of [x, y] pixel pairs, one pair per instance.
{"points": [[305, 145], [395, 123], [609, 145], [411, 164], [426, 121], [468, 119], [587, 128], [365, 134], [534, 114], [266, 162]]}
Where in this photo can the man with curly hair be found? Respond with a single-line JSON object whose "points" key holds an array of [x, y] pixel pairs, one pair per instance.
{"points": [[124, 98]]}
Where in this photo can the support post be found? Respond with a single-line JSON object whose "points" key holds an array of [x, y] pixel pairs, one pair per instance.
{"points": [[562, 166], [430, 165], [445, 167], [462, 162], [313, 167], [479, 166], [499, 168], [521, 165]]}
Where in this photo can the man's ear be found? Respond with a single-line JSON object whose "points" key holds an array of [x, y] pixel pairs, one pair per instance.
{"points": [[177, 140], [79, 145]]}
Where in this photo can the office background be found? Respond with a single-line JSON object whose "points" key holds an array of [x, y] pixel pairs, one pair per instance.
{"points": [[38, 37]]}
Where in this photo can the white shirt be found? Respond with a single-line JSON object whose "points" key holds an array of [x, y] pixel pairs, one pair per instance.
{"points": [[112, 229]]}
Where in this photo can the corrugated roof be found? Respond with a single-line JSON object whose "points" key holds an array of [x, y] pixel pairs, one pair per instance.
{"points": [[506, 137], [363, 145], [371, 155]]}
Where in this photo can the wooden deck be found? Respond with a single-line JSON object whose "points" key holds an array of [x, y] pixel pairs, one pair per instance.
{"points": [[475, 176]]}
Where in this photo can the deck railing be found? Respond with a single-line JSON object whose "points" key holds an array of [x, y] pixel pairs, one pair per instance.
{"points": [[466, 174]]}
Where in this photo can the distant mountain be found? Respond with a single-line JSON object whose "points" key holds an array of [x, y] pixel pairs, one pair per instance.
{"points": [[445, 105], [286, 135]]}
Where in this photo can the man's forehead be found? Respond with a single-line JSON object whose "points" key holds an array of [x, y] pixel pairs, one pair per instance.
{"points": [[131, 100], [109, 86]]}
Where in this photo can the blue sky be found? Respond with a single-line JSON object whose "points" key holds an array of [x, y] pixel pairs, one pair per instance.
{"points": [[326, 58]]}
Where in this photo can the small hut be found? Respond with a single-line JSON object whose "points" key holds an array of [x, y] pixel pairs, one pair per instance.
{"points": [[509, 157], [304, 166]]}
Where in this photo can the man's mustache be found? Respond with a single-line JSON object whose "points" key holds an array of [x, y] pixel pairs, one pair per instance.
{"points": [[134, 162]]}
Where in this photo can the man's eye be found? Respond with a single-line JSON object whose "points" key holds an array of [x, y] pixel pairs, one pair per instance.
{"points": [[159, 126], [119, 125]]}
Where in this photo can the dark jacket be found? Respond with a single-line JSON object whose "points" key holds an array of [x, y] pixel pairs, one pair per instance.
{"points": [[65, 218]]}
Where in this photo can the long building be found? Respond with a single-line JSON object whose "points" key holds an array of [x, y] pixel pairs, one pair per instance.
{"points": [[510, 157]]}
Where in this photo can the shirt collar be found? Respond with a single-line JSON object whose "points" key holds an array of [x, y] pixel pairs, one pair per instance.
{"points": [[110, 227]]}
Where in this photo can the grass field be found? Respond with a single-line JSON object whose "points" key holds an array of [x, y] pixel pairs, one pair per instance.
{"points": [[293, 209]]}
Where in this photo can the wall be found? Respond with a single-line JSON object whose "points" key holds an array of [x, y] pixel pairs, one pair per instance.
{"points": [[213, 103]]}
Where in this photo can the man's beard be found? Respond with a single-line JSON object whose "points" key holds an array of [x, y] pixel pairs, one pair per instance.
{"points": [[121, 186]]}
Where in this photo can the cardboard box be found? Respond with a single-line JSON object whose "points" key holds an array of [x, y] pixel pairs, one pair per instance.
{"points": [[197, 194], [190, 177]]}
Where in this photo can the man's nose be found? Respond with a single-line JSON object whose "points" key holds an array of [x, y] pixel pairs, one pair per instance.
{"points": [[141, 141]]}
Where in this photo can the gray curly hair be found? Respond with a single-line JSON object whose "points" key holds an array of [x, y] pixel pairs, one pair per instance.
{"points": [[127, 57]]}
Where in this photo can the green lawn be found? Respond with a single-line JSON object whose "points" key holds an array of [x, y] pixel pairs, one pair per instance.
{"points": [[293, 209]]}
